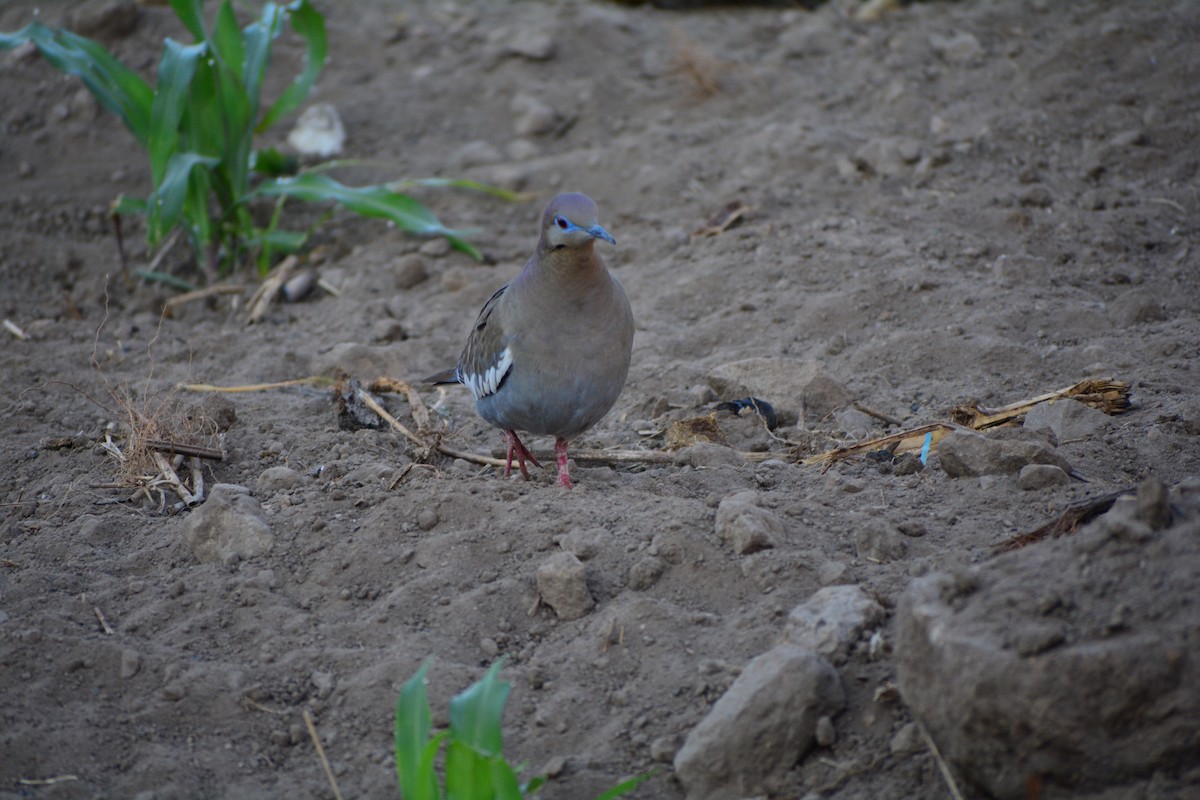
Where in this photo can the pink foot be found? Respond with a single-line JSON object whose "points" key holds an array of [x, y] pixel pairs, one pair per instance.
{"points": [[517, 447], [560, 452]]}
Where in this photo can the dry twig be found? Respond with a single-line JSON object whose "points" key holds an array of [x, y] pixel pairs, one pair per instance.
{"points": [[312, 731]]}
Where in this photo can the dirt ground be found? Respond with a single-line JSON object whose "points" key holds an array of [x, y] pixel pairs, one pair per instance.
{"points": [[971, 201]]}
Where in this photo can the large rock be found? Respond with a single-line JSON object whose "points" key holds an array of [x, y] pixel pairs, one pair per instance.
{"points": [[969, 454], [832, 620], [782, 382], [1076, 661], [760, 727], [229, 527]]}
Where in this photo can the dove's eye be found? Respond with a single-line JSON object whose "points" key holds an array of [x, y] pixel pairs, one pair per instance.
{"points": [[561, 222]]}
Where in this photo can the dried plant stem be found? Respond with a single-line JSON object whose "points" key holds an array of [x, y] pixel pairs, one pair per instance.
{"points": [[312, 731], [941, 762]]}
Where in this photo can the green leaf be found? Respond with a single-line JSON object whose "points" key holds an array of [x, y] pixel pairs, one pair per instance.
{"points": [[412, 734], [287, 241], [503, 780], [227, 41], [190, 13], [310, 25], [174, 281], [175, 72], [129, 205], [256, 40], [114, 86], [532, 785], [468, 773], [167, 202], [273, 164], [627, 786], [369, 201], [475, 713], [458, 183]]}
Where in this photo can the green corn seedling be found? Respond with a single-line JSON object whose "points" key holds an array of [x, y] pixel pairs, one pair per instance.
{"points": [[474, 764], [197, 126]]}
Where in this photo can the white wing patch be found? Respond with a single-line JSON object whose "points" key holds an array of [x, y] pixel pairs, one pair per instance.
{"points": [[481, 385]]}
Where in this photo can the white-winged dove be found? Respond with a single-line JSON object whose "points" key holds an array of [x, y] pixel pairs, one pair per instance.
{"points": [[550, 350]]}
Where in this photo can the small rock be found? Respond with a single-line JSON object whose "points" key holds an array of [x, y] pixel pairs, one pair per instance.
{"points": [[475, 154], [746, 527], [435, 248], [961, 48], [645, 573], [131, 663], [907, 740], [831, 572], [832, 620], [879, 542], [1041, 476], [386, 331], [1067, 420], [1153, 505], [826, 734], [489, 647], [228, 527], [562, 585], [554, 767], [1138, 306], [708, 455], [275, 479], [299, 286], [532, 44], [427, 519], [968, 454], [409, 271], [1036, 197], [761, 726], [585, 543], [324, 682], [318, 132], [891, 155], [533, 117]]}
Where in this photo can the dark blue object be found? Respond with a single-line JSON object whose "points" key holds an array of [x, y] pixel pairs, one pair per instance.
{"points": [[760, 407]]}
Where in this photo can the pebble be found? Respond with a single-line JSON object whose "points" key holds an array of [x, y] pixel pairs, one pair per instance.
{"points": [[532, 44], [879, 542], [435, 248], [427, 519], [275, 479], [533, 116], [585, 543], [409, 271], [826, 734], [907, 740], [489, 647], [961, 48], [131, 663]]}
